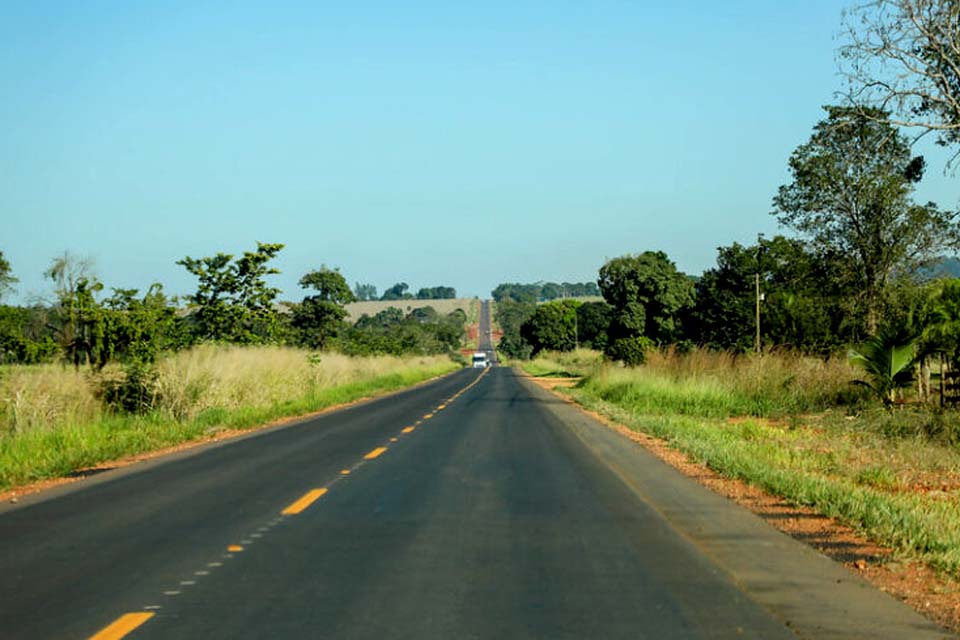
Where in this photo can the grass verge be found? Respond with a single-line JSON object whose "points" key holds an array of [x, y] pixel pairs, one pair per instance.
{"points": [[52, 423], [795, 428]]}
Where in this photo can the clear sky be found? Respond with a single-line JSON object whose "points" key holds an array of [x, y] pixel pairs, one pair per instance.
{"points": [[437, 143]]}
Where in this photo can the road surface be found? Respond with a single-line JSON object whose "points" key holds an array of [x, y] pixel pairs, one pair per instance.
{"points": [[477, 506]]}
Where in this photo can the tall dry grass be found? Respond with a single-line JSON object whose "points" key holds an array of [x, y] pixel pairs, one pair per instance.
{"points": [[711, 383], [53, 419], [232, 377]]}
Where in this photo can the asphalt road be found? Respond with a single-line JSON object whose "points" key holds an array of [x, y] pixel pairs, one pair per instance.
{"points": [[502, 513]]}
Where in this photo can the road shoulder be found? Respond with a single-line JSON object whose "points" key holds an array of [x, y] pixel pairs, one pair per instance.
{"points": [[810, 593]]}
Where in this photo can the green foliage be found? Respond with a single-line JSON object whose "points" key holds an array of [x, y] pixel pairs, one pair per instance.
{"points": [[511, 315], [421, 332], [941, 315], [233, 302], [850, 197], [319, 317], [364, 292], [593, 324], [23, 336], [887, 358], [553, 326], [801, 310], [140, 329], [649, 299], [133, 390], [397, 292], [544, 291], [437, 293], [631, 350]]}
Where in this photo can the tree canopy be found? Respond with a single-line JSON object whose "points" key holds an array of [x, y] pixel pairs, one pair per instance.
{"points": [[850, 198], [649, 297], [233, 301], [319, 317], [6, 277]]}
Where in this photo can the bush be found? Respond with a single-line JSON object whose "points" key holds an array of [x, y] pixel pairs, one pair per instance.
{"points": [[134, 389], [631, 351]]}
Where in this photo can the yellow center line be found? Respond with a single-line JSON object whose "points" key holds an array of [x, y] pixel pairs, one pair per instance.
{"points": [[393, 439], [441, 407], [428, 416], [408, 429], [345, 472], [375, 453], [122, 626], [234, 548], [309, 498]]}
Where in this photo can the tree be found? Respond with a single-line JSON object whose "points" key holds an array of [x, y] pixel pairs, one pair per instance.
{"points": [[511, 315], [6, 277], [437, 293], [320, 317], [140, 328], [593, 324], [904, 56], [850, 197], [364, 292], [552, 326], [77, 319], [233, 301], [649, 297], [801, 308], [887, 358], [517, 292], [397, 292]]}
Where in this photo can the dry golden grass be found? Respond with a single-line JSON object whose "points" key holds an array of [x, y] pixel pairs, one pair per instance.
{"points": [[41, 396], [231, 377], [188, 383]]}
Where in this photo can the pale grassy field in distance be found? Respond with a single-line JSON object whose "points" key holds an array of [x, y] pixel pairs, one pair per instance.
{"points": [[470, 306]]}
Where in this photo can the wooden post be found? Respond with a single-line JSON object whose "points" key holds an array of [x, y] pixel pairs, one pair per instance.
{"points": [[942, 373]]}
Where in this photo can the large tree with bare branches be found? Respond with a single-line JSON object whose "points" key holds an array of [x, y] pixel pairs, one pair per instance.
{"points": [[903, 57]]}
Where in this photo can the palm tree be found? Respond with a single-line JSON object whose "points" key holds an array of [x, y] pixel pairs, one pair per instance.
{"points": [[887, 358]]}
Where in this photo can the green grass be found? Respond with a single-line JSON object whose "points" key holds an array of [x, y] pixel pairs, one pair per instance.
{"points": [[796, 429], [234, 396]]}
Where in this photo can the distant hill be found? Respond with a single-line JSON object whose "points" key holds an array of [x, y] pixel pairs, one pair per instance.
{"points": [[946, 267]]}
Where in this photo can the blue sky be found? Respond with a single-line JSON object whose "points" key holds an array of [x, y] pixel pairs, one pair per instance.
{"points": [[461, 144]]}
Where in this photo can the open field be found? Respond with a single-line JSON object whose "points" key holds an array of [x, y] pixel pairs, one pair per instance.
{"points": [[470, 306], [53, 422], [795, 428]]}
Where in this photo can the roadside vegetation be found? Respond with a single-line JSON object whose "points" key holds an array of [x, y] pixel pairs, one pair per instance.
{"points": [[55, 420], [794, 426], [90, 376]]}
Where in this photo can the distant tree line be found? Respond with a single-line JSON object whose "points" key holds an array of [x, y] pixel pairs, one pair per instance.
{"points": [[233, 303], [401, 291], [544, 291]]}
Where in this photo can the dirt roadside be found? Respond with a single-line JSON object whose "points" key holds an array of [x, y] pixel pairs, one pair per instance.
{"points": [[935, 596]]}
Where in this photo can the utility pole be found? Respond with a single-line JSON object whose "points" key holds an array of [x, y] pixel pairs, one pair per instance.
{"points": [[757, 281], [759, 296]]}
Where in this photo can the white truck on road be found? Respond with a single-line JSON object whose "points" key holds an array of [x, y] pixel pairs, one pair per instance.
{"points": [[480, 360]]}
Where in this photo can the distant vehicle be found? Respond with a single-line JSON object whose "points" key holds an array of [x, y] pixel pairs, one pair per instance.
{"points": [[480, 360]]}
